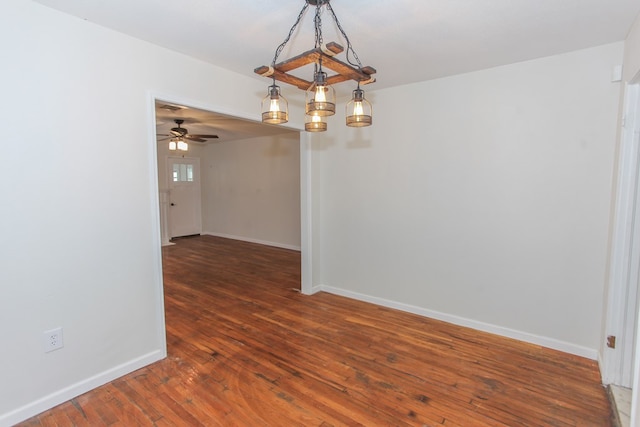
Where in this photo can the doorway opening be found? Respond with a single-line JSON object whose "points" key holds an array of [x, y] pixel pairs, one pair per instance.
{"points": [[244, 184], [238, 178], [162, 112]]}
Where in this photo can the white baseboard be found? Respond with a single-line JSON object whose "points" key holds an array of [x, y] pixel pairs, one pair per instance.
{"points": [[47, 402], [461, 321], [250, 240]]}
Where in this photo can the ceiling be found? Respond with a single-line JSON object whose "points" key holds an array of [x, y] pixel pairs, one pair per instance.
{"points": [[406, 41], [199, 122]]}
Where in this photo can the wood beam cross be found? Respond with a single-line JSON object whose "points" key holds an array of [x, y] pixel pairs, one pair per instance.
{"points": [[343, 70]]}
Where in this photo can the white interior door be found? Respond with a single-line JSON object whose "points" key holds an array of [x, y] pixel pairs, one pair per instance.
{"points": [[185, 215]]}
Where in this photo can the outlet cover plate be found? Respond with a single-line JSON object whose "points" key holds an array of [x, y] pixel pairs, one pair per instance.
{"points": [[52, 339]]}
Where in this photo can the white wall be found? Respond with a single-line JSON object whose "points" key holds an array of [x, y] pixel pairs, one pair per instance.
{"points": [[79, 199], [251, 190], [481, 199]]}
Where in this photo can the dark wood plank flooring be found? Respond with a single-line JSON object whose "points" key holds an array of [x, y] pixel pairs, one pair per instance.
{"points": [[247, 349]]}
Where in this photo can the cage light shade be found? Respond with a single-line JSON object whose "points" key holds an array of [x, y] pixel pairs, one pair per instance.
{"points": [[314, 124], [320, 97], [359, 111], [173, 145], [275, 108]]}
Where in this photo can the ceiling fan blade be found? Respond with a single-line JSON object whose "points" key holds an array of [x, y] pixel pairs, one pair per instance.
{"points": [[164, 139], [202, 136], [192, 138]]}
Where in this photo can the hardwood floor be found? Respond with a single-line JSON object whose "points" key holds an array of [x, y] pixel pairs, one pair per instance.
{"points": [[247, 349]]}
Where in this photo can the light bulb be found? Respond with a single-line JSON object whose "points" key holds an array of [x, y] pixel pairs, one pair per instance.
{"points": [[357, 108], [320, 94], [274, 106]]}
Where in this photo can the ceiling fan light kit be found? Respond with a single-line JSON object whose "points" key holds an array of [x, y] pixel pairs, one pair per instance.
{"points": [[178, 144], [320, 96]]}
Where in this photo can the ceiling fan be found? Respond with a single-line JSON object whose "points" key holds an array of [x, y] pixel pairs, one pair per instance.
{"points": [[180, 132]]}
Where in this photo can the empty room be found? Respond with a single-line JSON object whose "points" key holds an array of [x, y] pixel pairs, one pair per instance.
{"points": [[320, 213]]}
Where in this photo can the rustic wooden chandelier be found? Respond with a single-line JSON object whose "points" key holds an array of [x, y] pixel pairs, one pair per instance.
{"points": [[320, 96]]}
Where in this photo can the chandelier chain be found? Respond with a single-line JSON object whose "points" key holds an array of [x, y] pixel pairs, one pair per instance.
{"points": [[317, 23], [284, 43], [349, 46], [318, 34], [317, 20]]}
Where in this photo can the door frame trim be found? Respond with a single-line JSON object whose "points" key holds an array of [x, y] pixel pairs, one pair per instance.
{"points": [[617, 364]]}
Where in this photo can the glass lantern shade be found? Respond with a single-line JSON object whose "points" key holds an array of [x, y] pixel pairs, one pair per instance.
{"points": [[314, 124], [275, 108], [173, 145], [182, 145], [320, 97], [358, 110]]}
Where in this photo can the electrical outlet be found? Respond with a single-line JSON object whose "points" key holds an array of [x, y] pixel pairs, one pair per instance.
{"points": [[52, 339]]}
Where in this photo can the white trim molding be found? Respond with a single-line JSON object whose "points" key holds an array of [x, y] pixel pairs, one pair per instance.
{"points": [[164, 217], [252, 240], [617, 364], [547, 342], [306, 201]]}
